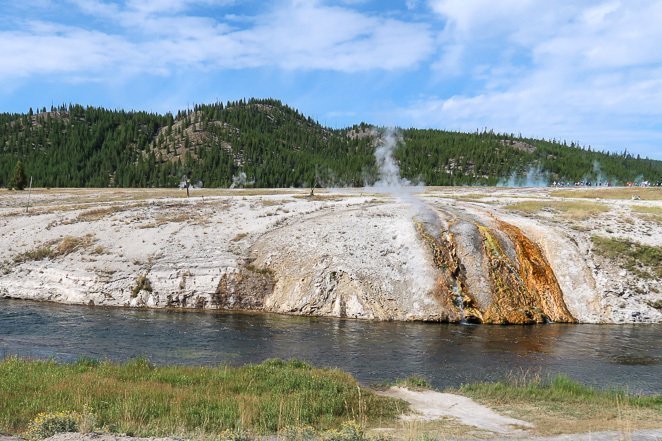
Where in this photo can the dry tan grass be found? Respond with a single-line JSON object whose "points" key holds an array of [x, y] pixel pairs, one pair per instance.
{"points": [[649, 193], [442, 429], [239, 237], [166, 218], [270, 202], [569, 209], [562, 417], [56, 248], [647, 213], [470, 196], [99, 213], [323, 197], [475, 200]]}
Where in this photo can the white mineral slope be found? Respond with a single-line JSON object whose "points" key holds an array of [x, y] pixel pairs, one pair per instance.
{"points": [[347, 254], [361, 262], [343, 256], [182, 247]]}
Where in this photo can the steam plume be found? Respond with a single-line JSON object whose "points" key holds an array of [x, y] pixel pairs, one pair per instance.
{"points": [[391, 182], [241, 180], [389, 170]]}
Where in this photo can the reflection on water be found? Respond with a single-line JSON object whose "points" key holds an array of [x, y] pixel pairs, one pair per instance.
{"points": [[447, 355]]}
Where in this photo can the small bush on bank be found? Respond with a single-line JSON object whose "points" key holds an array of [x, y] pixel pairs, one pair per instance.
{"points": [[142, 284], [47, 424]]}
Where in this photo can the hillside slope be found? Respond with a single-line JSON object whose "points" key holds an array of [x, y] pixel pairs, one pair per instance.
{"points": [[265, 143]]}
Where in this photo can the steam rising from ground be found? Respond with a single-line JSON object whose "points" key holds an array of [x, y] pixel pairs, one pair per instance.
{"points": [[535, 177], [390, 181], [241, 180], [389, 170]]}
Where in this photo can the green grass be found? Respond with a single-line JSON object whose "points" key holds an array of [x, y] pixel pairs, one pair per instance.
{"points": [[559, 388], [561, 405], [644, 260], [144, 400]]}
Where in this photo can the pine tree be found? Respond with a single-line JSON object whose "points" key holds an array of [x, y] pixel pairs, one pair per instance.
{"points": [[19, 179]]}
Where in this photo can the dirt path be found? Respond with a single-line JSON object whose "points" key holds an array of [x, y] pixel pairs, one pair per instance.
{"points": [[430, 405]]}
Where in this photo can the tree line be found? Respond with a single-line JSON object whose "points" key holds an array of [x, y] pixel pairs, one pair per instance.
{"points": [[273, 145]]}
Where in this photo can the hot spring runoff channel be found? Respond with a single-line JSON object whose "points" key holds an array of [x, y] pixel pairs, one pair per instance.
{"points": [[446, 355]]}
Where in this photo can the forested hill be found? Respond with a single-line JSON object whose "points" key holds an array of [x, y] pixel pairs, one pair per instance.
{"points": [[264, 143]]}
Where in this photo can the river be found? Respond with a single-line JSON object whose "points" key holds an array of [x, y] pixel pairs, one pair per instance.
{"points": [[446, 355]]}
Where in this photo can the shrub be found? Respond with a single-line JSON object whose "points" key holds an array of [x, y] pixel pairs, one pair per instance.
{"points": [[46, 425], [142, 284], [56, 248], [349, 431]]}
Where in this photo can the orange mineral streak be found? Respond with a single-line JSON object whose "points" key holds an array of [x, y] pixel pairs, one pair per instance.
{"points": [[524, 291], [452, 275], [511, 303], [535, 271]]}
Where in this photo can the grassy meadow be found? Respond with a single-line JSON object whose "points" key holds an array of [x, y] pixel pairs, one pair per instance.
{"points": [[288, 398], [140, 399]]}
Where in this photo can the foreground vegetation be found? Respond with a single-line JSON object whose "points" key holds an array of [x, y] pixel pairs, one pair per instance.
{"points": [[40, 398], [140, 399], [560, 405], [264, 143]]}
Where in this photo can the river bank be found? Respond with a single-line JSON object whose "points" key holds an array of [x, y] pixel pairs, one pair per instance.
{"points": [[485, 255], [447, 355], [292, 400]]}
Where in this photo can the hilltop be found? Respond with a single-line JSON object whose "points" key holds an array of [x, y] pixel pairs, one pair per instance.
{"points": [[265, 143]]}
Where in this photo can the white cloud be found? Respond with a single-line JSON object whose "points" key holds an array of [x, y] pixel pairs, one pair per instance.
{"points": [[160, 36], [590, 72], [469, 16], [587, 71], [46, 49], [319, 37]]}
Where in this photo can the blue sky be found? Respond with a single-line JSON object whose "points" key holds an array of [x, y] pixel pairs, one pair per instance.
{"points": [[588, 71]]}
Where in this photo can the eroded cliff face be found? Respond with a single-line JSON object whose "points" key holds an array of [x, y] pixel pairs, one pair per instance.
{"points": [[344, 255]]}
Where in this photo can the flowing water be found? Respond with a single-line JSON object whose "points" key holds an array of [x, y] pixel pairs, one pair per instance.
{"points": [[446, 355]]}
